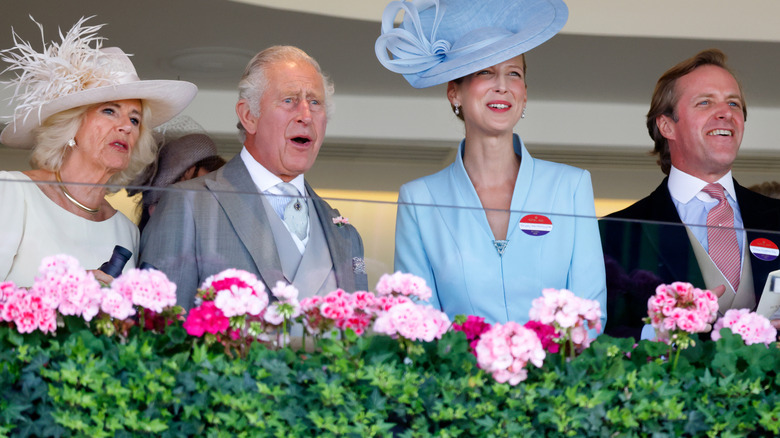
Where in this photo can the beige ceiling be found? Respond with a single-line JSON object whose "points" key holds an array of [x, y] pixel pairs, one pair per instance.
{"points": [[609, 51]]}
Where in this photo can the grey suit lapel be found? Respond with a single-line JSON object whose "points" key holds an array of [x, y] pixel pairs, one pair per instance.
{"points": [[338, 244], [236, 193]]}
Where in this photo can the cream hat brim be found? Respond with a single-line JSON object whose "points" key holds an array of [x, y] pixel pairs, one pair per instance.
{"points": [[164, 98]]}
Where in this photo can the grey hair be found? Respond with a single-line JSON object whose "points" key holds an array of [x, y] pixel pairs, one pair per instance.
{"points": [[253, 82], [52, 136]]}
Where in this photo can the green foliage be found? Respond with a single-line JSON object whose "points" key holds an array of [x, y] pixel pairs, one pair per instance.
{"points": [[79, 384]]}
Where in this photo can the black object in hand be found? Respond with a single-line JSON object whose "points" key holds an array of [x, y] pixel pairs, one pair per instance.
{"points": [[147, 266], [118, 260]]}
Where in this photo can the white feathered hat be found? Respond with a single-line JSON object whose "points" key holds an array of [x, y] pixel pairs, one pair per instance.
{"points": [[72, 74]]}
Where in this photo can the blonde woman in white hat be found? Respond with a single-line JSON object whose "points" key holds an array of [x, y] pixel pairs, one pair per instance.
{"points": [[87, 118]]}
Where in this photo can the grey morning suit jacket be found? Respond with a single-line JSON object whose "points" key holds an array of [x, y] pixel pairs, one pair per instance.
{"points": [[218, 222]]}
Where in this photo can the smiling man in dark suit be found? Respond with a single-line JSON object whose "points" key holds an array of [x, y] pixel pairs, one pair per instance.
{"points": [[257, 213], [696, 119]]}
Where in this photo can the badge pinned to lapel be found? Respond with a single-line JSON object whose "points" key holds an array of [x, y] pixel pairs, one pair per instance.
{"points": [[535, 225], [764, 249]]}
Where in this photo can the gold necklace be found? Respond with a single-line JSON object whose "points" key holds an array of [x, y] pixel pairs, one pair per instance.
{"points": [[71, 198]]}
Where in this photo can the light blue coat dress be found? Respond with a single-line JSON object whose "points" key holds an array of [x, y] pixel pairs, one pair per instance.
{"points": [[442, 235]]}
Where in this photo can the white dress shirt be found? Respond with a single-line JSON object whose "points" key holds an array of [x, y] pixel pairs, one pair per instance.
{"points": [[266, 182], [693, 205]]}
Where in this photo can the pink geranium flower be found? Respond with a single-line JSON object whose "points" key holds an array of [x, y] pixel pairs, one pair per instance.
{"points": [[568, 315], [412, 321], [148, 288], [287, 305], [337, 305], [681, 307], [7, 290], [236, 292], [753, 328], [116, 305], [28, 311], [63, 284], [505, 350], [313, 320], [358, 322], [404, 284]]}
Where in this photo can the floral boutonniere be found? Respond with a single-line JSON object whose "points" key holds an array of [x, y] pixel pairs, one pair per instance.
{"points": [[340, 221]]}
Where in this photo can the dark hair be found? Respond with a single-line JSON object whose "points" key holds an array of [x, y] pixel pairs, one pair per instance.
{"points": [[460, 80], [211, 164], [665, 98]]}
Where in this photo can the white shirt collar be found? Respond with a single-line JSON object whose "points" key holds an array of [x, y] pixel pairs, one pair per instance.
{"points": [[684, 187], [264, 179]]}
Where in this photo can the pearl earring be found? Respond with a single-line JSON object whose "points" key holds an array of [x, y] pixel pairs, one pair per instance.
{"points": [[71, 143], [457, 109], [522, 116]]}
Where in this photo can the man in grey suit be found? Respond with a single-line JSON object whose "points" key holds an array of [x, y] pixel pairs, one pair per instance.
{"points": [[244, 216]]}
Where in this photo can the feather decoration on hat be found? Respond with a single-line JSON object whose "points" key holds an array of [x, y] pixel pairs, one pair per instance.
{"points": [[58, 70]]}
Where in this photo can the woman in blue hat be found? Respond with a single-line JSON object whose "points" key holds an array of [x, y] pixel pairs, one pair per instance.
{"points": [[497, 226]]}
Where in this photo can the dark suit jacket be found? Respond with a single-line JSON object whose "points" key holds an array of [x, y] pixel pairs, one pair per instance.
{"points": [[641, 255], [218, 221]]}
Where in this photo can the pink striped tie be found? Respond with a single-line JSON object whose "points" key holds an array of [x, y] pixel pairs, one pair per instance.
{"points": [[722, 237]]}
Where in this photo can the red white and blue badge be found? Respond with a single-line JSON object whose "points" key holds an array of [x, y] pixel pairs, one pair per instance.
{"points": [[535, 225], [764, 249]]}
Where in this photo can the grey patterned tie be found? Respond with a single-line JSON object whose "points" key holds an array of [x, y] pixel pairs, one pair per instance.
{"points": [[296, 212]]}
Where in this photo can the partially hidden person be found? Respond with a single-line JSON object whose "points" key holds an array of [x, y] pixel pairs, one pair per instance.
{"points": [[181, 159]]}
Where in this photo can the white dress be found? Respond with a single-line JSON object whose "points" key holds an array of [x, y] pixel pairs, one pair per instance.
{"points": [[32, 227]]}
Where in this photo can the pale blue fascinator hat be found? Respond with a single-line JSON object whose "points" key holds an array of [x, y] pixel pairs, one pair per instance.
{"points": [[442, 40]]}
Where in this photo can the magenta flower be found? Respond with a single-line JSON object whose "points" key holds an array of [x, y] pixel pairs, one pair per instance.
{"points": [[206, 318], [547, 335], [473, 328]]}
